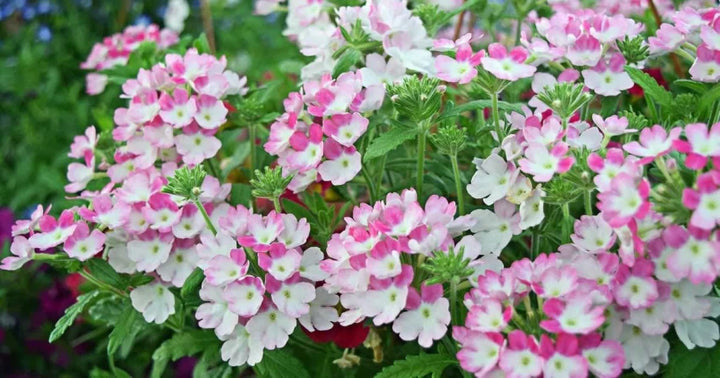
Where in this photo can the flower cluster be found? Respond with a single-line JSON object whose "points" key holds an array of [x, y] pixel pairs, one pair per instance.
{"points": [[693, 31], [115, 51], [365, 264]]}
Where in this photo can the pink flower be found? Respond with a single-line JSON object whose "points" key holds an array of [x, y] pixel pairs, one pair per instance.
{"points": [[79, 176], [150, 250], [462, 68], [222, 270], [654, 142], [245, 296], [342, 164], [22, 253], [83, 244], [522, 356], [214, 313], [291, 296], [636, 288], [694, 258], [701, 143], [377, 71], [612, 126], [211, 112], [270, 328], [53, 232], [479, 352], [706, 67], [426, 318], [593, 234], [162, 212], [605, 358], [83, 146], [507, 65], [262, 232], [577, 315], [564, 358], [586, 51], [280, 262], [177, 110], [614, 164], [705, 201], [488, 316], [196, 147], [307, 149], [543, 164], [345, 128], [95, 83], [626, 198], [668, 38], [608, 79]]}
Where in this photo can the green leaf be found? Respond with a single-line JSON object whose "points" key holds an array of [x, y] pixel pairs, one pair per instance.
{"points": [[105, 273], [388, 141], [418, 366], [477, 105], [698, 362], [70, 314], [124, 331], [651, 87], [296, 209], [280, 364], [692, 85], [201, 44], [609, 106], [348, 59], [180, 345], [192, 283], [708, 99]]}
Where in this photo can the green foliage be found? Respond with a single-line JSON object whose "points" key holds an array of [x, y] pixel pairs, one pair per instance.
{"points": [[564, 98], [652, 89], [445, 267], [418, 366], [105, 273], [188, 343], [698, 362], [124, 331], [269, 183], [417, 99], [449, 139], [186, 182], [71, 313], [323, 218], [388, 141], [635, 50], [280, 364]]}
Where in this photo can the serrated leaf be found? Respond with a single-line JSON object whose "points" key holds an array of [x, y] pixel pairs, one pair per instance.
{"points": [[180, 345], [477, 105], [348, 59], [70, 314], [124, 330], [418, 366], [388, 141], [105, 273], [280, 364], [651, 87]]}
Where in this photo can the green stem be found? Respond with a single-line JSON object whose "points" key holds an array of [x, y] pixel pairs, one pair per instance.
{"points": [[370, 184], [378, 184], [454, 316], [535, 245], [421, 161], [205, 216], [102, 285], [588, 202], [518, 30], [685, 55], [566, 221], [276, 204], [458, 185], [496, 116]]}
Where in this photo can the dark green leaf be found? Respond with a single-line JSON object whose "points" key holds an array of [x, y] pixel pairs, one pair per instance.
{"points": [[296, 209], [388, 141], [180, 345], [192, 283], [348, 59], [280, 364], [692, 85], [124, 329], [201, 44], [105, 273], [651, 87], [708, 99], [70, 314], [418, 366], [609, 106], [698, 362]]}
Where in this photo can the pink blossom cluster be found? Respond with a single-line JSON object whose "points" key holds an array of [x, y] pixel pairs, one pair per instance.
{"points": [[115, 50], [570, 299], [367, 264], [314, 139], [585, 38], [250, 313], [693, 31]]}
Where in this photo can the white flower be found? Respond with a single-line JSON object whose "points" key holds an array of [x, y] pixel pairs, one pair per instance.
{"points": [[237, 349], [175, 15], [215, 312], [322, 312], [179, 266], [270, 328], [492, 180], [154, 301]]}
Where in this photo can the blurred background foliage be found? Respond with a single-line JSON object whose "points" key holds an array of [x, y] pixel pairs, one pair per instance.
{"points": [[43, 105]]}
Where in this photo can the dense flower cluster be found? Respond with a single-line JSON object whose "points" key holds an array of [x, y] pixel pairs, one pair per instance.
{"points": [[115, 51], [531, 283]]}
